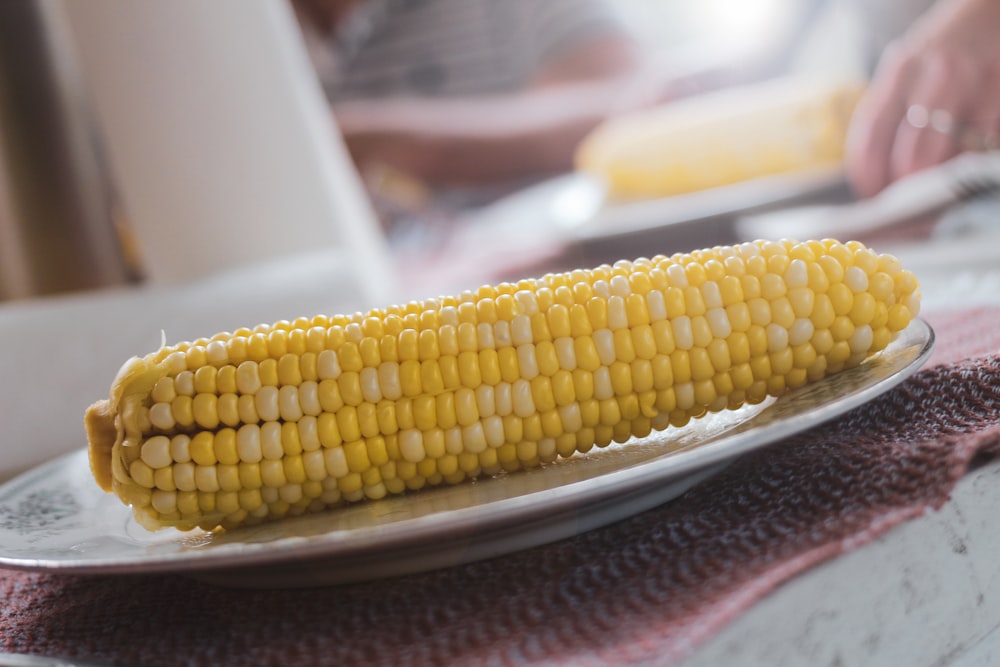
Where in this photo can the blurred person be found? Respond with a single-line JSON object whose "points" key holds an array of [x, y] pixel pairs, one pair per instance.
{"points": [[935, 93], [481, 97], [470, 93]]}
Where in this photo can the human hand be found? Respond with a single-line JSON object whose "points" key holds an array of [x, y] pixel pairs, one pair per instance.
{"points": [[936, 93]]}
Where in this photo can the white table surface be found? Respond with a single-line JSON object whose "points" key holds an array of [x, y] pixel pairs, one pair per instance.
{"points": [[927, 593]]}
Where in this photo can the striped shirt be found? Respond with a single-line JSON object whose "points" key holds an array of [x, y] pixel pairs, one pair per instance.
{"points": [[454, 47]]}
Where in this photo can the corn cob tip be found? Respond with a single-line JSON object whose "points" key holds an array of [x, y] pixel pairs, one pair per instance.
{"points": [[101, 436], [107, 421]]}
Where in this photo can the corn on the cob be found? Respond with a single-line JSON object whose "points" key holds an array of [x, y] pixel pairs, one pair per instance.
{"points": [[297, 416], [721, 138]]}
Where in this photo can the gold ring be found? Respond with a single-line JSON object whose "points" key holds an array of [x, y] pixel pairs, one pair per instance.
{"points": [[940, 120]]}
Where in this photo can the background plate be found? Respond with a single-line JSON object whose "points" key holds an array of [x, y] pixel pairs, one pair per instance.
{"points": [[764, 193], [55, 518]]}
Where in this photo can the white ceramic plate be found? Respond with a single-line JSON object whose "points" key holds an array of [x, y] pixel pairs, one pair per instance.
{"points": [[54, 518]]}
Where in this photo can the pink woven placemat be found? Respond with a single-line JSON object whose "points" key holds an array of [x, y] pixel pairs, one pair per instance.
{"points": [[646, 590]]}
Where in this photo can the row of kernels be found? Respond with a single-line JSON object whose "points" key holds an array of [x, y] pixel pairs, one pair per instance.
{"points": [[250, 442], [246, 378], [240, 506], [471, 370], [797, 264], [189, 476], [263, 342], [207, 411], [444, 444], [414, 444]]}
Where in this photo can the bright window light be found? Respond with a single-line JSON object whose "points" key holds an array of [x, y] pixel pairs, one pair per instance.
{"points": [[738, 20], [731, 25]]}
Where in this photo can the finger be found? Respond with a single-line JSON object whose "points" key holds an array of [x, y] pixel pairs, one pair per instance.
{"points": [[978, 139], [980, 130], [872, 131], [939, 99]]}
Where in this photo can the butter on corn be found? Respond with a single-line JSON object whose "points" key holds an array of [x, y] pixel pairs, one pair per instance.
{"points": [[721, 138], [299, 416]]}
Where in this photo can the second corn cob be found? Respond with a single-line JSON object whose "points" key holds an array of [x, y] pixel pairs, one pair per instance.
{"points": [[298, 416], [720, 138]]}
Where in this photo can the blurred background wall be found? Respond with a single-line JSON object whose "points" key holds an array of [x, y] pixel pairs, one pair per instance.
{"points": [[56, 224]]}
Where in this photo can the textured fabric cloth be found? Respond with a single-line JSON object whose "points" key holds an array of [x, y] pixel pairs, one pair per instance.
{"points": [[646, 590]]}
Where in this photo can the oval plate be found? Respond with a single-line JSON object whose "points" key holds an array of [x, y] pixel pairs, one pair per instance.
{"points": [[55, 518]]}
